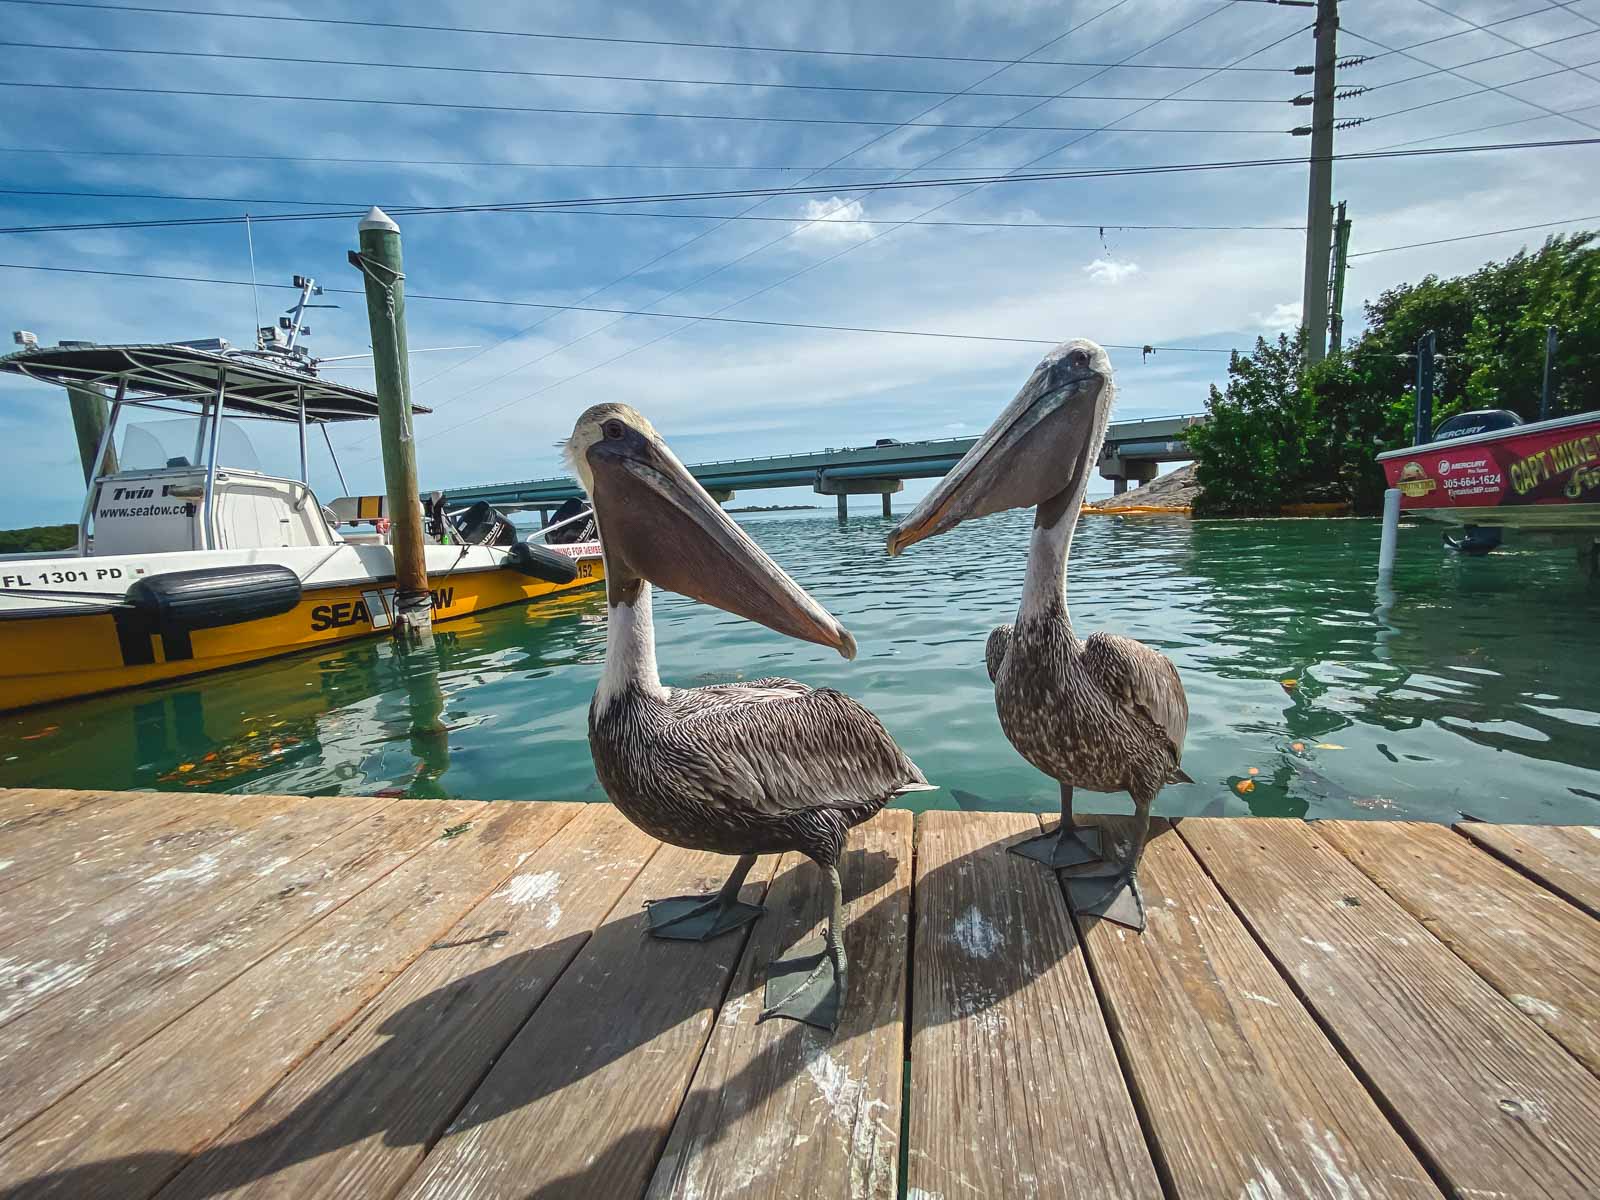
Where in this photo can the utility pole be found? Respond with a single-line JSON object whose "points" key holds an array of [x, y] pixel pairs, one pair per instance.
{"points": [[1319, 202], [1341, 252], [1424, 430], [1546, 399], [380, 265]]}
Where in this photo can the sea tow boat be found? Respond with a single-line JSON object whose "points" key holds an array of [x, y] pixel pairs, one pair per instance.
{"points": [[190, 558]]}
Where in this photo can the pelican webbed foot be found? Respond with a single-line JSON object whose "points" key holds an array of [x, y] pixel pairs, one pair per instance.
{"points": [[1112, 895], [698, 918], [806, 985], [701, 918], [809, 983], [1068, 846]]}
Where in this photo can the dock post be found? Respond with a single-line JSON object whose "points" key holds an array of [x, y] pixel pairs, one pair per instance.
{"points": [[887, 511], [1391, 532], [380, 265], [90, 415], [844, 507]]}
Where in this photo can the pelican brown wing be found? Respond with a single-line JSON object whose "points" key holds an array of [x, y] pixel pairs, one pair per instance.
{"points": [[1143, 678], [779, 752]]}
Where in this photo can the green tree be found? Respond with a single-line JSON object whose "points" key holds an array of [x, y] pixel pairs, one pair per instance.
{"points": [[1285, 431]]}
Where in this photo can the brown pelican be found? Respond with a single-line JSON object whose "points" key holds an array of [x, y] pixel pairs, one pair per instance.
{"points": [[1108, 714], [745, 769]]}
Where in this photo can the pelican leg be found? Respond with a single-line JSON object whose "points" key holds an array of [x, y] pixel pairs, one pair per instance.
{"points": [[1071, 845], [809, 983], [1114, 894], [701, 918]]}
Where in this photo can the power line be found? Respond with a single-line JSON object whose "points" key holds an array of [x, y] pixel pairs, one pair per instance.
{"points": [[1491, 87], [1467, 237], [510, 71], [790, 220], [457, 106], [574, 37], [1477, 28], [629, 312], [1485, 128], [884, 185], [783, 237], [1428, 74], [1478, 91], [830, 258], [1445, 37]]}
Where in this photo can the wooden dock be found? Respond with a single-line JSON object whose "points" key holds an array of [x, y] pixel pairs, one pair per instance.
{"points": [[279, 996]]}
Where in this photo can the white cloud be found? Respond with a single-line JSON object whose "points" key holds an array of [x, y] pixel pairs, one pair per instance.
{"points": [[834, 220], [1283, 316], [1109, 270]]}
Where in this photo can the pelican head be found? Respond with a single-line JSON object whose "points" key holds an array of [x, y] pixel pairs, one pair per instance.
{"points": [[1038, 452], [658, 524]]}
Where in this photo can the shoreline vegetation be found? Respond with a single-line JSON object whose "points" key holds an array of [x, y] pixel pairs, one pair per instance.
{"points": [[761, 508], [38, 539], [1290, 434]]}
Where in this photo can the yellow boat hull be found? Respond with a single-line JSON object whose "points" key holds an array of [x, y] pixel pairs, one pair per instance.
{"points": [[50, 658]]}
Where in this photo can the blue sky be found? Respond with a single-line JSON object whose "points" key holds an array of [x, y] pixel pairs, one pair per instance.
{"points": [[723, 390]]}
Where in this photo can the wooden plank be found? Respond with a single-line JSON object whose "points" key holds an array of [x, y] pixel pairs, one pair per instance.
{"points": [[1537, 950], [1565, 858], [582, 1101], [70, 924], [356, 1117], [1494, 1104], [28, 808], [77, 840], [126, 1132], [1015, 1086], [76, 1033], [1243, 1093], [779, 1109]]}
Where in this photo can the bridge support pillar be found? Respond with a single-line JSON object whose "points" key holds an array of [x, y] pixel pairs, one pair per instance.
{"points": [[887, 511], [841, 489], [1119, 470], [721, 495]]}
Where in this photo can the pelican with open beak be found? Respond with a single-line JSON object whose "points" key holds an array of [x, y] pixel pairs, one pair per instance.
{"points": [[1107, 714], [743, 769]]}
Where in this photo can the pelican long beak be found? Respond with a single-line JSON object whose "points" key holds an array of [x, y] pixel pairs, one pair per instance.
{"points": [[659, 524], [1041, 447]]}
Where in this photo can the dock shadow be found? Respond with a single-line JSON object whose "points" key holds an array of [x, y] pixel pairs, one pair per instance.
{"points": [[342, 1112]]}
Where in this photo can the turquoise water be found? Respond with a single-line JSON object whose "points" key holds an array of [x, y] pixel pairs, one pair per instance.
{"points": [[1471, 688]]}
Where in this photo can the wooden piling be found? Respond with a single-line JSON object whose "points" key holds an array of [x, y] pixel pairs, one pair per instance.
{"points": [[381, 269]]}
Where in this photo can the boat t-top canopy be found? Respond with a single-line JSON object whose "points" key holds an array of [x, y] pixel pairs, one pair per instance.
{"points": [[250, 383]]}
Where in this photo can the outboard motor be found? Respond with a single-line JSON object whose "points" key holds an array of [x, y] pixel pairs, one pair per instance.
{"points": [[483, 525], [578, 531], [1475, 539]]}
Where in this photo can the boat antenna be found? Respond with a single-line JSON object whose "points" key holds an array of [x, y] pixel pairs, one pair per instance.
{"points": [[255, 297]]}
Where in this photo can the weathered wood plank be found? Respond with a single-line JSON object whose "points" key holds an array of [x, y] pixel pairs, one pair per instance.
{"points": [[28, 808], [72, 923], [1537, 950], [779, 1109], [77, 840], [582, 1101], [1015, 1086], [75, 1033], [126, 1132], [356, 1117], [1565, 858], [1496, 1105], [1241, 1090]]}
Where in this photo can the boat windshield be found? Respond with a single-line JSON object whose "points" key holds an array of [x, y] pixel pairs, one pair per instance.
{"points": [[159, 444]]}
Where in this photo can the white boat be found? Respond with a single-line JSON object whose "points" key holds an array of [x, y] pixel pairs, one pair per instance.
{"points": [[190, 558]]}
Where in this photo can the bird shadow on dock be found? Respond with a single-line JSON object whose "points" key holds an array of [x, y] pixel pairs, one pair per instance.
{"points": [[439, 1042]]}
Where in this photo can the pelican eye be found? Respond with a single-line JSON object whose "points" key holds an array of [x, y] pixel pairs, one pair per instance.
{"points": [[613, 429], [1078, 359]]}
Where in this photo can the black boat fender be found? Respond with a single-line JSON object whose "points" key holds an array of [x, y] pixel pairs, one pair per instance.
{"points": [[214, 596], [540, 562], [175, 603]]}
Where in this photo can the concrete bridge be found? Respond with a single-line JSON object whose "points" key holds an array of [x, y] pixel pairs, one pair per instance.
{"points": [[1132, 451]]}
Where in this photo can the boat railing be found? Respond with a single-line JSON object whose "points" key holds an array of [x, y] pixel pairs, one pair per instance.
{"points": [[544, 534]]}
